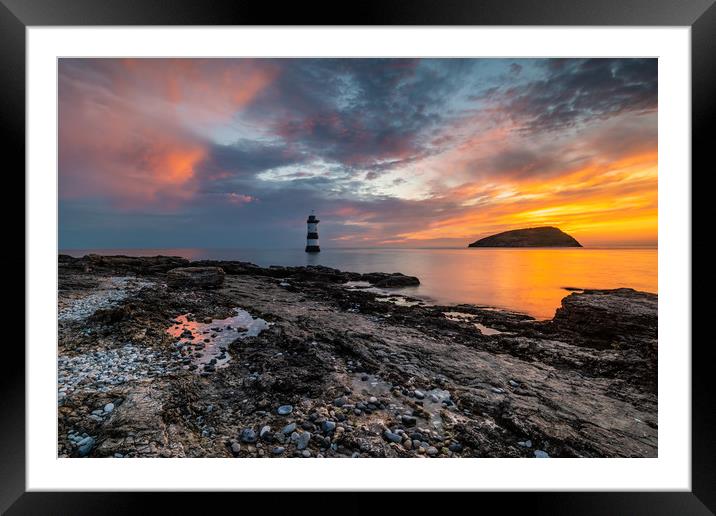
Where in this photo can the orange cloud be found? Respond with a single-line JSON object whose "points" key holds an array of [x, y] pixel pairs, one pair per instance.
{"points": [[612, 202], [131, 137]]}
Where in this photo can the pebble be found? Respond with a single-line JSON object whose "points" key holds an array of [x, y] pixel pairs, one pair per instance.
{"points": [[278, 450], [306, 454], [303, 440], [107, 368], [109, 407], [541, 454], [85, 446], [373, 400], [235, 447], [497, 390], [409, 420], [248, 435], [264, 433], [284, 410], [392, 437], [514, 383], [328, 426], [289, 428], [455, 447], [419, 394], [432, 451], [525, 444]]}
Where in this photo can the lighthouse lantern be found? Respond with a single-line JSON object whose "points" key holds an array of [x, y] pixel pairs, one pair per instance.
{"points": [[312, 237]]}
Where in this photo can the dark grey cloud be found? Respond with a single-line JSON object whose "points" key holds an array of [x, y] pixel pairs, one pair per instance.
{"points": [[246, 158], [360, 112], [574, 91]]}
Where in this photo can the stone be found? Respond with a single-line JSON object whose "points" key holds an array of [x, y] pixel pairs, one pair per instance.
{"points": [[541, 454], [278, 450], [419, 394], [601, 317], [195, 277], [265, 433], [455, 447], [328, 426], [525, 444], [305, 454], [303, 440], [409, 420], [432, 451], [85, 446], [289, 428], [388, 280], [109, 407], [248, 435], [284, 410], [392, 437], [235, 448]]}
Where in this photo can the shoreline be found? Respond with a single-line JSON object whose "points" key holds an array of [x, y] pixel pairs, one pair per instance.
{"points": [[477, 382]]}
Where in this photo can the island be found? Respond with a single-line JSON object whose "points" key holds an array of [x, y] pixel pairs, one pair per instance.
{"points": [[546, 236]]}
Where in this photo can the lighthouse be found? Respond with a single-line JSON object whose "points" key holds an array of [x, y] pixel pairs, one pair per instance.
{"points": [[312, 237]]}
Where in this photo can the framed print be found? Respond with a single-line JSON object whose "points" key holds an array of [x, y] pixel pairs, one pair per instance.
{"points": [[413, 250]]}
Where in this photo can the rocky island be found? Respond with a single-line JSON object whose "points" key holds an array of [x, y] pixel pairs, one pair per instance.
{"points": [[162, 357], [546, 236]]}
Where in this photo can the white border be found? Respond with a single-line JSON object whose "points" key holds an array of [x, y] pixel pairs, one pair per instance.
{"points": [[670, 471]]}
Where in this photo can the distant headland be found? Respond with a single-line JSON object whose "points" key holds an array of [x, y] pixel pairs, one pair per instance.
{"points": [[546, 236]]}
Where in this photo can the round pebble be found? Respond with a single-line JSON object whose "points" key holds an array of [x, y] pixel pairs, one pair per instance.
{"points": [[284, 410]]}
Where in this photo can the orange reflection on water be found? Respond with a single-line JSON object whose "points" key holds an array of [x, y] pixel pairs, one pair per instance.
{"points": [[529, 280]]}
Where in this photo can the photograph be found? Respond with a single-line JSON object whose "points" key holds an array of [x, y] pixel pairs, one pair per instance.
{"points": [[357, 257]]}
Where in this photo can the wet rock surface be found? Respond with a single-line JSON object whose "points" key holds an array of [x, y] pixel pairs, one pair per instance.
{"points": [[195, 277], [362, 377]]}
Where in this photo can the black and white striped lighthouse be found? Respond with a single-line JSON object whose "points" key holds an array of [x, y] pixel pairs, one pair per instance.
{"points": [[312, 237]]}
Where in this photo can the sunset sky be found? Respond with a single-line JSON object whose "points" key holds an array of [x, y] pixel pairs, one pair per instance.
{"points": [[230, 153]]}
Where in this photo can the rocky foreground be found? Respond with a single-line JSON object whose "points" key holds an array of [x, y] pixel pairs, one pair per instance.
{"points": [[243, 361]]}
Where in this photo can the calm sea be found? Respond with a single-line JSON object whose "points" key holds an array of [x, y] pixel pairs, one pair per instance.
{"points": [[525, 280]]}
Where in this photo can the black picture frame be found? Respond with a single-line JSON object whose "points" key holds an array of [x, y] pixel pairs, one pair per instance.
{"points": [[17, 15]]}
